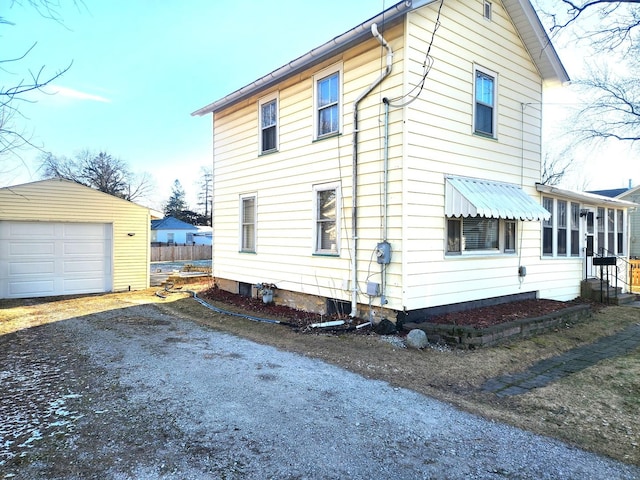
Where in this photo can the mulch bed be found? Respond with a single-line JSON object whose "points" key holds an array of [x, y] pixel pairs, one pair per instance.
{"points": [[478, 317], [484, 317]]}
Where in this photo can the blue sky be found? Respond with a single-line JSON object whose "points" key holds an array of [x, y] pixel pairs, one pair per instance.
{"points": [[140, 67]]}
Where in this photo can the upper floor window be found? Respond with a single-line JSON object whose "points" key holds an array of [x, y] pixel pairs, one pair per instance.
{"points": [[268, 124], [485, 103], [327, 225], [327, 86], [487, 10], [248, 223]]}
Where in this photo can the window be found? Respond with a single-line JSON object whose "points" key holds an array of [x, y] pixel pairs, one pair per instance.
{"points": [[575, 229], [600, 218], [510, 236], [611, 231], [170, 238], [620, 232], [487, 10], [485, 99], [547, 228], [561, 233], [480, 234], [189, 238], [248, 223], [268, 124], [327, 226], [327, 103], [561, 226]]}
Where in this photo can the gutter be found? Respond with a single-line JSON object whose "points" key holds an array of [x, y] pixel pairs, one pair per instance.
{"points": [[354, 181], [585, 197], [331, 48]]}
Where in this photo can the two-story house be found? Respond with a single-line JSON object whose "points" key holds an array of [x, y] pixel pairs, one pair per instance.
{"points": [[393, 170]]}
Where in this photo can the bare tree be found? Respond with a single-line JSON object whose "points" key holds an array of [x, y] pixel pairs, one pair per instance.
{"points": [[614, 109], [205, 194], [100, 171], [554, 168], [12, 136], [609, 31], [608, 25]]}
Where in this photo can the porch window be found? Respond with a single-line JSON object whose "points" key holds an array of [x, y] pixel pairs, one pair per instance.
{"points": [[480, 235], [561, 233], [575, 229], [601, 224], [620, 232], [327, 226], [561, 225], [547, 228], [611, 231], [248, 223]]}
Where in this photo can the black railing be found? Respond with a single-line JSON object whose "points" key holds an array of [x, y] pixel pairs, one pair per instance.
{"points": [[608, 261]]}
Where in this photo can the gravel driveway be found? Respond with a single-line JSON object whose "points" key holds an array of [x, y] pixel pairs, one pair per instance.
{"points": [[135, 393]]}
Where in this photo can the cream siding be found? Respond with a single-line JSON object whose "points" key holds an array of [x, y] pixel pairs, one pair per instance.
{"points": [[284, 180], [65, 201], [440, 141], [428, 139]]}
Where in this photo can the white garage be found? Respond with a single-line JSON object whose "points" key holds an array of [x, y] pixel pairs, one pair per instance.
{"points": [[53, 258], [61, 238]]}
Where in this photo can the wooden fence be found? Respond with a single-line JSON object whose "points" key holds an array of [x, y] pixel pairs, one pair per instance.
{"points": [[177, 253], [634, 277]]}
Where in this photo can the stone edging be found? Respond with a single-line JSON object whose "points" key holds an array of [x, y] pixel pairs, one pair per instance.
{"points": [[470, 337]]}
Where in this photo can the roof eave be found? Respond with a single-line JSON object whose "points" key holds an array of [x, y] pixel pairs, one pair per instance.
{"points": [[315, 56], [585, 197], [537, 42]]}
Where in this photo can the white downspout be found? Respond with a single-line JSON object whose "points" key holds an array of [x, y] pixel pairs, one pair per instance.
{"points": [[354, 181]]}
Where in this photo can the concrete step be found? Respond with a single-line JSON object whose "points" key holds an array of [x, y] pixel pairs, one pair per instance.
{"points": [[625, 298]]}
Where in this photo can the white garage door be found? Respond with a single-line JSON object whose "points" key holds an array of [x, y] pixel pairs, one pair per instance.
{"points": [[39, 259]]}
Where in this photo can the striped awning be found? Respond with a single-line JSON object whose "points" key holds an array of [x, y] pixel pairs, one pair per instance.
{"points": [[470, 197]]}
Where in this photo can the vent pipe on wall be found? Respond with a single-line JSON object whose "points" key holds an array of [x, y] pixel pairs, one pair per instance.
{"points": [[354, 180]]}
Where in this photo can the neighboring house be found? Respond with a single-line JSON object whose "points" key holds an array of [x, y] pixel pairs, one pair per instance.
{"points": [[441, 143], [631, 194], [171, 231], [203, 236], [58, 237]]}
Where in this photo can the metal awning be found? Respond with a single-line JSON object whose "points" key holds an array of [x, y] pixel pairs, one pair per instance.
{"points": [[470, 197]]}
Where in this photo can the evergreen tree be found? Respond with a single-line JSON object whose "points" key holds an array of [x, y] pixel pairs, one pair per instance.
{"points": [[176, 203]]}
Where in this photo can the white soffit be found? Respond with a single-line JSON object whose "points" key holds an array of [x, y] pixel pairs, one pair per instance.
{"points": [[470, 197]]}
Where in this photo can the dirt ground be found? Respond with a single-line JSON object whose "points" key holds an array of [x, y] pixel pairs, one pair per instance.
{"points": [[595, 409]]}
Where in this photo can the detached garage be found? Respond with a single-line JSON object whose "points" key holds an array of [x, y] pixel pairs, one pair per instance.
{"points": [[61, 238]]}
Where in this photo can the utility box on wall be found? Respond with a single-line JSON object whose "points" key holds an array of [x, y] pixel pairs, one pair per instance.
{"points": [[383, 253]]}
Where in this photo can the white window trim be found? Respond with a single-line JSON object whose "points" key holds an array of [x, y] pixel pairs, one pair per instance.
{"points": [[244, 196], [487, 10], [319, 76], [494, 75], [501, 250], [269, 98], [554, 231], [321, 188]]}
